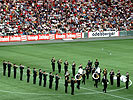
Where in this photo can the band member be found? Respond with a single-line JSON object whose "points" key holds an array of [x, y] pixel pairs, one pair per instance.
{"points": [[73, 68], [105, 72], [21, 71], [87, 71], [9, 68], [72, 85], [66, 83], [34, 75], [78, 78], [67, 74], [28, 74], [40, 77], [127, 80], [59, 62], [51, 76], [15, 70], [89, 64], [66, 66], [104, 82], [44, 78], [118, 78], [96, 77], [53, 63], [80, 66], [57, 81], [83, 76], [111, 76], [4, 67], [96, 63], [93, 71]]}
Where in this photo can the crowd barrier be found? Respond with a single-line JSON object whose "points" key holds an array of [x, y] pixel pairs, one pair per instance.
{"points": [[17, 38], [96, 34]]}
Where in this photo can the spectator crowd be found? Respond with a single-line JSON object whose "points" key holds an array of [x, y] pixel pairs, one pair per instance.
{"points": [[26, 17]]}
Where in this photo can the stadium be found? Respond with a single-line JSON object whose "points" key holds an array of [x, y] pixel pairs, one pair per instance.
{"points": [[41, 37]]}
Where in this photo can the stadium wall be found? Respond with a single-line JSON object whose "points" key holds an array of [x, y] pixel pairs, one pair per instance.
{"points": [[96, 34]]}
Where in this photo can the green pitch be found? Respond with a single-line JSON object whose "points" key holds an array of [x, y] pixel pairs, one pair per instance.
{"points": [[112, 54]]}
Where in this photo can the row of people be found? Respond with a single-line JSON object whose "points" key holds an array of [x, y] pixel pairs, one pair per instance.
{"points": [[77, 77]]}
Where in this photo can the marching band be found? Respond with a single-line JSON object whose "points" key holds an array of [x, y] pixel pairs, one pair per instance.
{"points": [[83, 73]]}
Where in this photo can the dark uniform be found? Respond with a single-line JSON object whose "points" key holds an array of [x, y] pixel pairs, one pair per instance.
{"points": [[118, 79], [83, 76], [40, 77], [105, 80], [21, 72], [127, 80], [4, 68], [53, 63], [105, 72], [59, 65], [90, 65], [96, 63], [96, 80], [72, 86], [111, 77], [65, 66], [9, 68], [44, 78], [34, 76], [78, 80], [87, 71], [15, 70], [50, 80], [73, 68], [56, 81], [28, 75], [66, 83]]}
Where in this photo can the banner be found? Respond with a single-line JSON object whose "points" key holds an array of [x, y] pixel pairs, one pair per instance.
{"points": [[32, 37], [14, 38], [4, 38], [43, 37], [103, 34], [17, 38]]}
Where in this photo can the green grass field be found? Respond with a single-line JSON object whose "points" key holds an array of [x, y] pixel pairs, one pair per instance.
{"points": [[39, 56]]}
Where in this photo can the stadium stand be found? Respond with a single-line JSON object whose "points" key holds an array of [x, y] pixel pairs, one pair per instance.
{"points": [[26, 17]]}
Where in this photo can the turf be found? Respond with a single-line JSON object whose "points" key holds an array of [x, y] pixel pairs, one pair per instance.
{"points": [[112, 54]]}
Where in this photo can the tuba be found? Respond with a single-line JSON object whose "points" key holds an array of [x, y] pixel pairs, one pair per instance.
{"points": [[95, 76]]}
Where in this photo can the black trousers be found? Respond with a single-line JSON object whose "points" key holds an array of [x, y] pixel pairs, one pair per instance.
{"points": [[34, 80], [96, 83], [4, 72], [40, 81], [14, 74], [118, 83], [73, 71], [53, 67], [44, 84], [83, 81], [78, 84], [59, 68], [66, 89], [28, 79], [9, 73], [87, 74], [50, 84], [111, 80], [127, 84], [56, 86], [21, 75], [72, 90], [105, 87]]}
